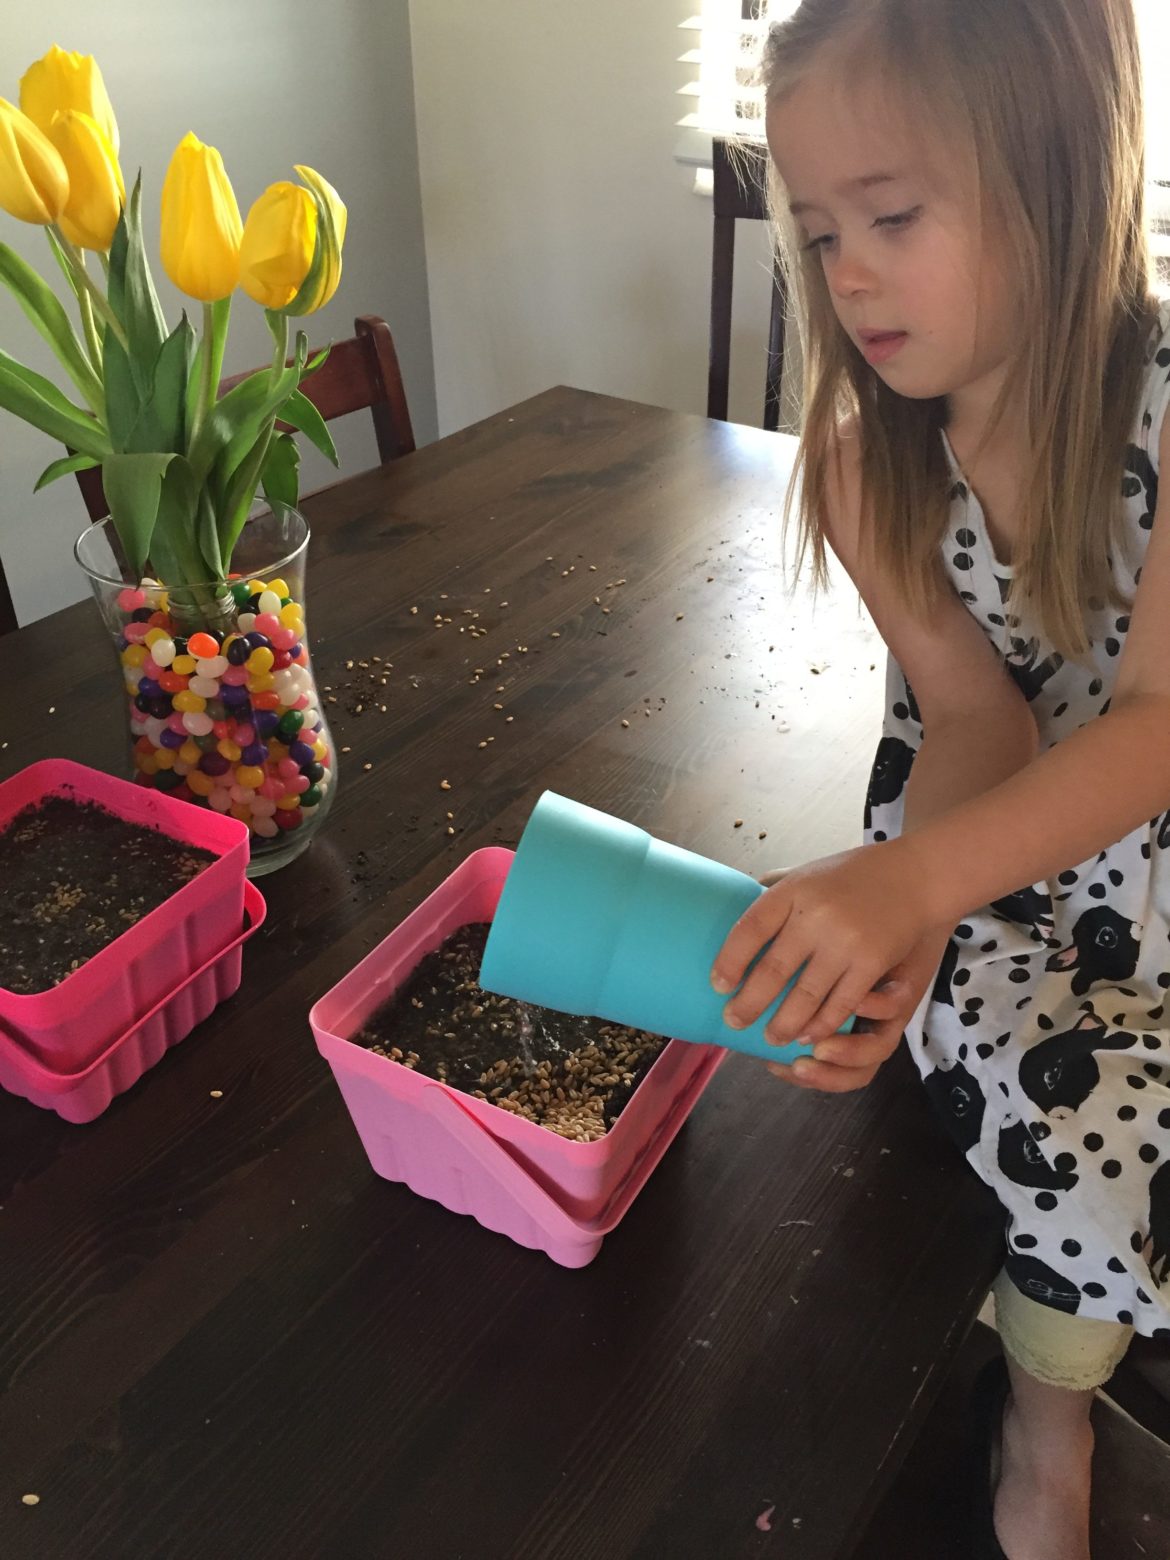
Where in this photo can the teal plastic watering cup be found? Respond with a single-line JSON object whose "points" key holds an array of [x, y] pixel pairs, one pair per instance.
{"points": [[596, 917]]}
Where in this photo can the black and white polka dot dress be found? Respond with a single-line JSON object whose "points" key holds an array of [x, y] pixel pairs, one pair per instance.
{"points": [[1045, 1042]]}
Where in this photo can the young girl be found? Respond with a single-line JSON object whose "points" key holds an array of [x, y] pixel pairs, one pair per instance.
{"points": [[961, 189]]}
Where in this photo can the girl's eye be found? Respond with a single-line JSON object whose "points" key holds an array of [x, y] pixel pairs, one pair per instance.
{"points": [[817, 243], [900, 219]]}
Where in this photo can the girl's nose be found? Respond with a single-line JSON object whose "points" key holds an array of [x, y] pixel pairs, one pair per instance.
{"points": [[850, 277]]}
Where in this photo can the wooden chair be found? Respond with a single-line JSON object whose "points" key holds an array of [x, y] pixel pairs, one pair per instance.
{"points": [[741, 196], [359, 372]]}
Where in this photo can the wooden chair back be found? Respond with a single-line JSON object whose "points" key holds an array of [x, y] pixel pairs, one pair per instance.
{"points": [[739, 186]]}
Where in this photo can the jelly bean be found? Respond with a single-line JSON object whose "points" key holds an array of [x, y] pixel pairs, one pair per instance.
{"points": [[164, 758], [183, 664], [234, 677], [212, 666], [130, 599], [290, 723], [266, 622], [170, 682], [214, 763], [167, 780], [144, 745], [312, 718], [238, 650], [263, 682], [301, 702], [148, 688], [298, 786], [239, 793], [298, 652], [230, 750], [289, 615], [221, 729], [298, 627], [266, 828], [219, 799], [279, 587], [189, 753], [240, 593], [233, 697], [288, 820], [183, 793], [245, 733], [258, 641], [200, 783], [159, 619], [191, 704], [245, 622], [133, 655], [272, 789], [241, 811], [283, 639], [302, 753], [287, 802], [313, 772], [268, 700], [203, 687], [171, 739], [287, 769], [205, 741], [202, 645], [311, 797], [152, 637], [250, 775], [260, 661], [255, 587], [281, 659], [262, 806], [217, 709], [198, 725], [269, 603], [146, 763], [155, 729]]}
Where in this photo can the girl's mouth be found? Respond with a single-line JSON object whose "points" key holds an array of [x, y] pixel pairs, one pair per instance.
{"points": [[880, 346]]}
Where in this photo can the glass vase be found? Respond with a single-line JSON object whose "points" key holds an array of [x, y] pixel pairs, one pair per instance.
{"points": [[221, 701]]}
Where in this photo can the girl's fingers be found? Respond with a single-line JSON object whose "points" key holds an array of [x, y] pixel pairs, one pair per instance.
{"points": [[824, 1078], [773, 877], [866, 1048], [879, 1004]]}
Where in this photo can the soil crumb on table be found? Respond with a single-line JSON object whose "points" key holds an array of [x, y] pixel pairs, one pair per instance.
{"points": [[573, 1075], [76, 877]]}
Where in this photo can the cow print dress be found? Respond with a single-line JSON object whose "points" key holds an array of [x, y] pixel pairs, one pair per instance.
{"points": [[1045, 1042]]}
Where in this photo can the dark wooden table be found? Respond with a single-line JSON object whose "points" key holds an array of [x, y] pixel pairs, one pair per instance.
{"points": [[222, 1336]]}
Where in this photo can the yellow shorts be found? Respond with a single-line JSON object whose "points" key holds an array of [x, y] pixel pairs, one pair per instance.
{"points": [[1077, 1352]]}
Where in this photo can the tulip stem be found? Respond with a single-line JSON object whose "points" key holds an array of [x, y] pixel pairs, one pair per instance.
{"points": [[96, 295], [85, 305]]}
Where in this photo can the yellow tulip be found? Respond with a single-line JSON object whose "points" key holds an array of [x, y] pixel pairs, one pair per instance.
{"points": [[96, 191], [330, 238], [61, 81], [201, 227], [34, 185], [280, 237]]}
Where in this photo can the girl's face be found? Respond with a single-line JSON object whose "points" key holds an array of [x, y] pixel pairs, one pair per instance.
{"points": [[911, 279]]}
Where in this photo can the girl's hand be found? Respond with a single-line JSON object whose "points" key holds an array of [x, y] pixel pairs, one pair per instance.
{"points": [[847, 919], [845, 1063]]}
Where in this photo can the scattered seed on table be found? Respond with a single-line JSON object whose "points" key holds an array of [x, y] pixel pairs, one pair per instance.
{"points": [[679, 616], [739, 823], [347, 750], [349, 666], [593, 568], [554, 636], [483, 744], [52, 709], [217, 1094], [625, 723], [444, 785], [414, 611], [497, 706], [763, 834], [31, 1500], [508, 719], [367, 766], [450, 830]]}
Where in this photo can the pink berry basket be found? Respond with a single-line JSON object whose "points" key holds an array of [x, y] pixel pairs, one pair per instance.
{"points": [[82, 1095], [542, 1190], [76, 1022]]}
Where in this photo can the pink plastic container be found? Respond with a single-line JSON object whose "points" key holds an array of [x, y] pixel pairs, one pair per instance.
{"points": [[82, 1095], [512, 1176], [70, 1025]]}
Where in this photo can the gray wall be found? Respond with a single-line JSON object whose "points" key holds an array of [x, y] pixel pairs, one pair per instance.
{"points": [[270, 83], [564, 242]]}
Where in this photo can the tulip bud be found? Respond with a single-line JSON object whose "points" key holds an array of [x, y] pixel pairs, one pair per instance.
{"points": [[61, 81], [325, 271], [201, 227], [34, 185], [96, 191], [280, 238]]}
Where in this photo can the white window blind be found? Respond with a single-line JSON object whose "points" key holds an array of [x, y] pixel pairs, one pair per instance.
{"points": [[722, 44]]}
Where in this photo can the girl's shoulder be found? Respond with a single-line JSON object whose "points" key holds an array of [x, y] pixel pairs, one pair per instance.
{"points": [[1155, 398]]}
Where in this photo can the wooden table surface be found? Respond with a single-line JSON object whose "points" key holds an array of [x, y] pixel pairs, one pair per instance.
{"points": [[221, 1335]]}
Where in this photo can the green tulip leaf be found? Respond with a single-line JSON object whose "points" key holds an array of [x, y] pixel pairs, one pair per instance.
{"points": [[173, 556], [47, 313], [207, 535], [132, 296], [161, 417], [280, 476], [299, 412], [62, 468], [231, 428], [37, 400], [133, 485], [220, 314]]}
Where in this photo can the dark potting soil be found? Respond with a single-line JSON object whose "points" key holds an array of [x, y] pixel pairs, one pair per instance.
{"points": [[573, 1075], [75, 877]]}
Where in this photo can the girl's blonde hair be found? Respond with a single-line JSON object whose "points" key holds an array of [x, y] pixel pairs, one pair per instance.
{"points": [[1047, 97]]}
